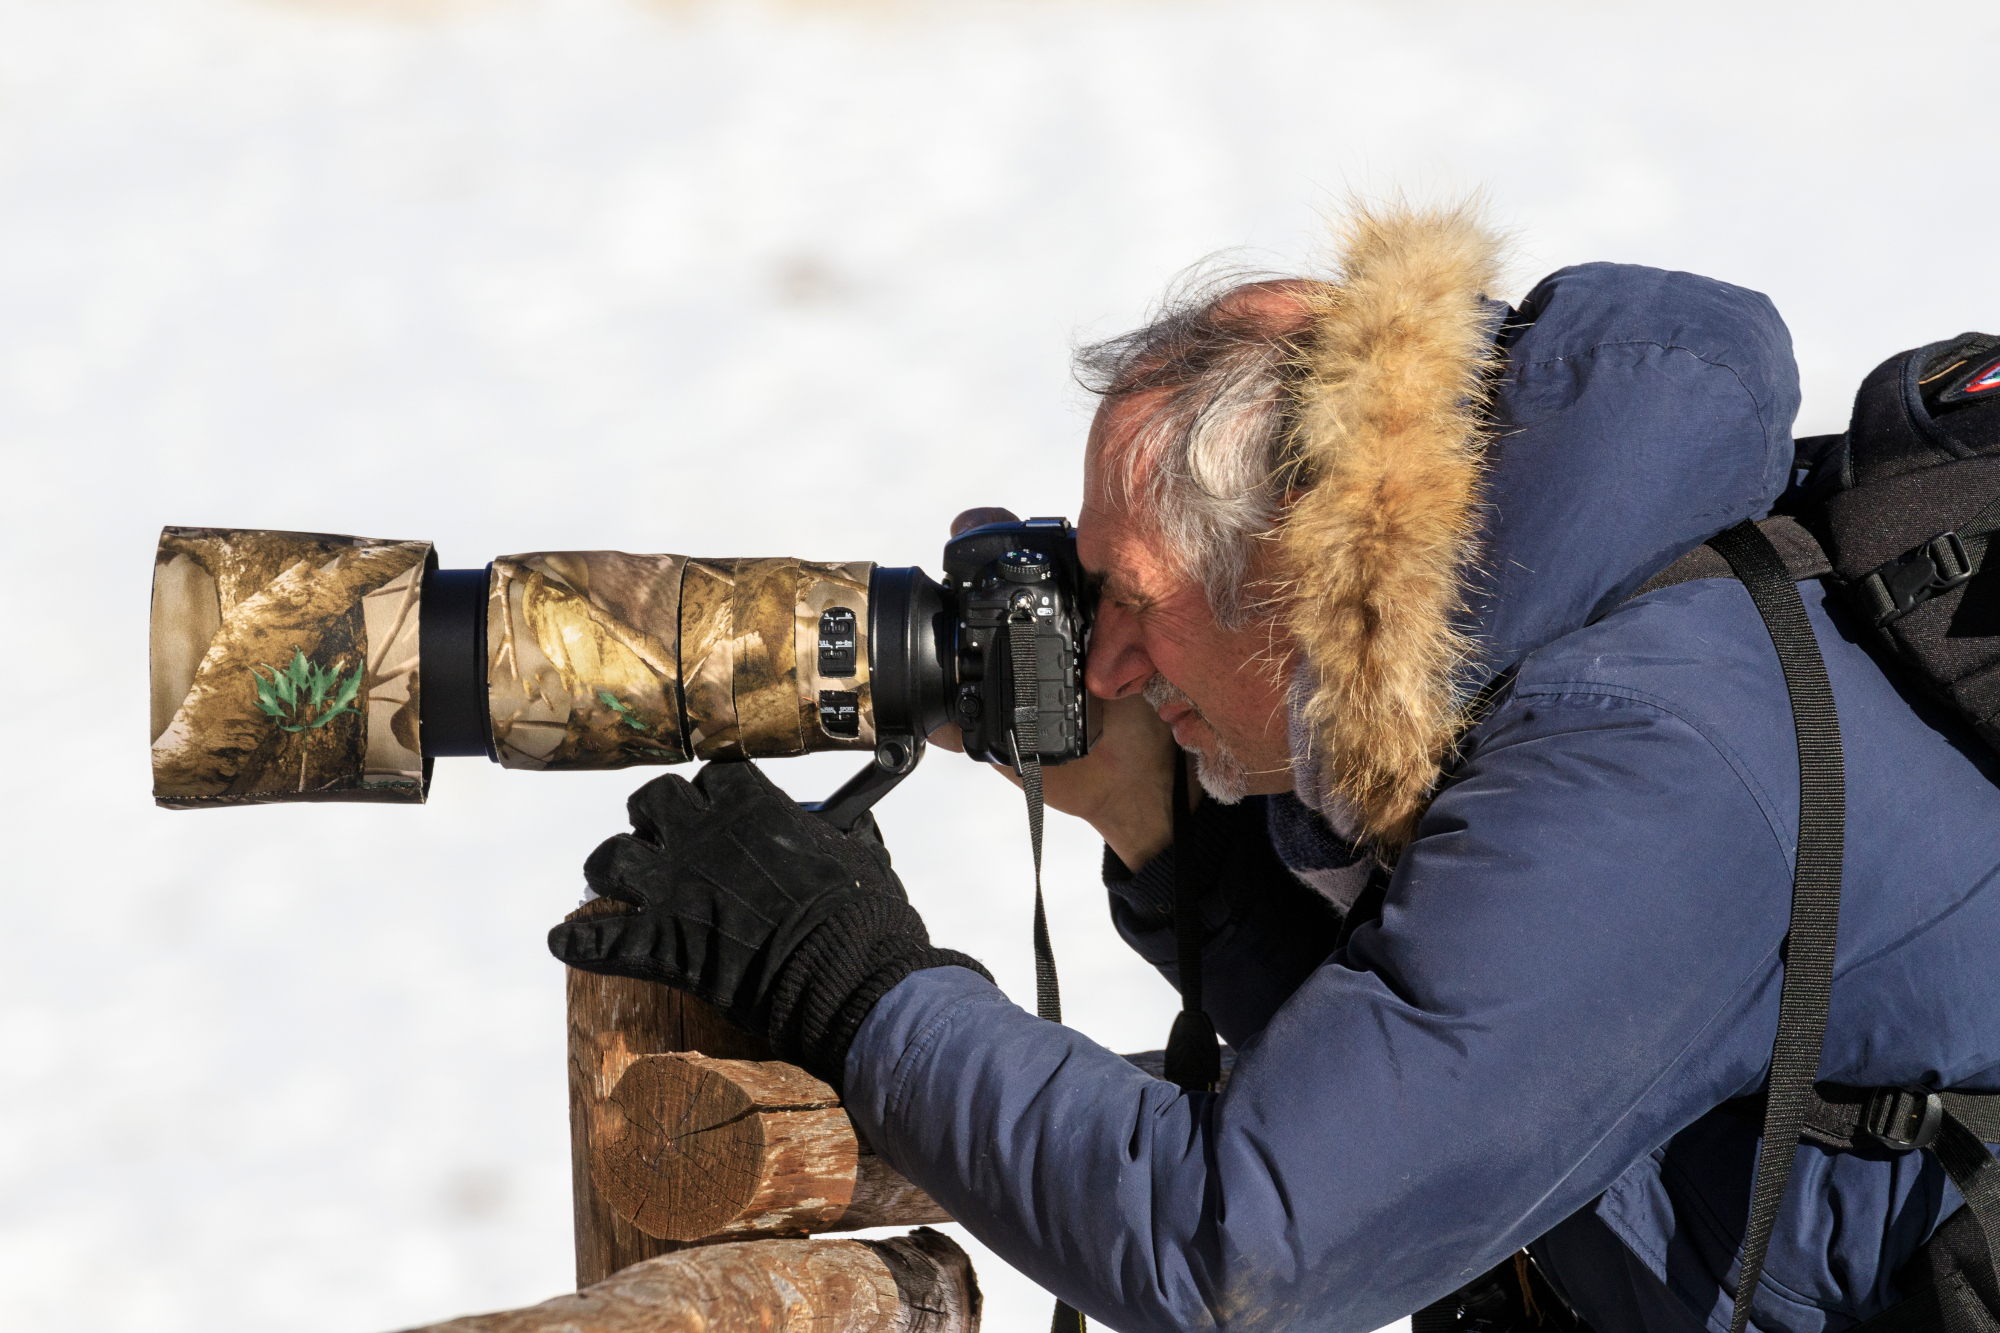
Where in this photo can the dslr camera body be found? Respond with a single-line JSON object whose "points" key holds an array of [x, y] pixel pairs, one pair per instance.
{"points": [[1020, 584], [1014, 607]]}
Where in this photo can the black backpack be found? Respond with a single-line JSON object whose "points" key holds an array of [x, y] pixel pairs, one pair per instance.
{"points": [[1896, 516], [1904, 505]]}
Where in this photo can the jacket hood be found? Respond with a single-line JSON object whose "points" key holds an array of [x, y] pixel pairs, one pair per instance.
{"points": [[1476, 481]]}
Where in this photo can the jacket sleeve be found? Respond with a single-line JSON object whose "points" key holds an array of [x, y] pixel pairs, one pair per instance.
{"points": [[1265, 930], [1546, 998]]}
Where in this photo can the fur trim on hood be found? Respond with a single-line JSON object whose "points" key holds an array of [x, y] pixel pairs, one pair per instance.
{"points": [[1376, 551]]}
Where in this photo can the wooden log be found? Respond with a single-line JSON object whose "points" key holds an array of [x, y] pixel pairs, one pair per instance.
{"points": [[920, 1283], [691, 1148], [612, 1022]]}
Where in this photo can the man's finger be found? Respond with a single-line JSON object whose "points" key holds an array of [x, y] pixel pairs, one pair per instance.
{"points": [[625, 945], [621, 865], [731, 783], [661, 804], [979, 518], [949, 737]]}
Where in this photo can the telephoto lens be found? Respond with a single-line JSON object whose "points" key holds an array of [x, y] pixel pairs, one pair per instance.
{"points": [[291, 666]]}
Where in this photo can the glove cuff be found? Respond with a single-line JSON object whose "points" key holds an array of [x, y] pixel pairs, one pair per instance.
{"points": [[854, 1012], [825, 990]]}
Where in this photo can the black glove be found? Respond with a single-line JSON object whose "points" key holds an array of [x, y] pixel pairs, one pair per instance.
{"points": [[790, 927]]}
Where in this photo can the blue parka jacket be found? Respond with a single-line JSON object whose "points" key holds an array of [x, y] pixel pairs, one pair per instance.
{"points": [[1578, 959]]}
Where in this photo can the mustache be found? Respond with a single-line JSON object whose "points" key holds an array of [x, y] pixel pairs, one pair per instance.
{"points": [[1159, 692], [1216, 767]]}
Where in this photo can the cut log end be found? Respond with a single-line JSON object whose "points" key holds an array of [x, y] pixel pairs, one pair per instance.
{"points": [[935, 1285], [688, 1148], [920, 1283]]}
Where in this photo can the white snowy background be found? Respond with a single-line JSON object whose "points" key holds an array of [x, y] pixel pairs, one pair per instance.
{"points": [[713, 278]]}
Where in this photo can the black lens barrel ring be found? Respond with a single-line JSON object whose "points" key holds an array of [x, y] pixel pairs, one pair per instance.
{"points": [[910, 651], [451, 644]]}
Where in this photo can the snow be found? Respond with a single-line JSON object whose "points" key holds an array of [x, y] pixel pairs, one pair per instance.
{"points": [[713, 278]]}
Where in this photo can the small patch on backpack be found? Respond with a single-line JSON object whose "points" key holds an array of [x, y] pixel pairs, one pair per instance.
{"points": [[1984, 380]]}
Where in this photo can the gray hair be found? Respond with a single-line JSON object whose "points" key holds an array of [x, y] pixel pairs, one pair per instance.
{"points": [[1209, 463]]}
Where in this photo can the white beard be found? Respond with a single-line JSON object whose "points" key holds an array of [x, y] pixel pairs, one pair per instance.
{"points": [[1221, 774]]}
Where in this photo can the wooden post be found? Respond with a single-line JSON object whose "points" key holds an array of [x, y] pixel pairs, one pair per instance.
{"points": [[612, 1022], [920, 1283]]}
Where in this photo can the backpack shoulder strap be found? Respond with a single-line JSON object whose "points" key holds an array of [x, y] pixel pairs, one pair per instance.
{"points": [[1754, 557], [1771, 558]]}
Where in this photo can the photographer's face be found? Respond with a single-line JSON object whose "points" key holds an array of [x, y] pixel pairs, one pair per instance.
{"points": [[1221, 690]]}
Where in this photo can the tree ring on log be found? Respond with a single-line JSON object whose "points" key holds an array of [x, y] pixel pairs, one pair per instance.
{"points": [[686, 1147]]}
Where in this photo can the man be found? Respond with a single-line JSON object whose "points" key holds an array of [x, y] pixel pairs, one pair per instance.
{"points": [[1325, 515]]}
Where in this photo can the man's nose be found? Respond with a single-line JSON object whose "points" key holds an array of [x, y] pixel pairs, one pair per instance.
{"points": [[1118, 663]]}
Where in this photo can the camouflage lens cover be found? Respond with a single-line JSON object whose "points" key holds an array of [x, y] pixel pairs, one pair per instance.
{"points": [[754, 635], [284, 668], [583, 646], [598, 659], [831, 605], [285, 665], [583, 659], [708, 656]]}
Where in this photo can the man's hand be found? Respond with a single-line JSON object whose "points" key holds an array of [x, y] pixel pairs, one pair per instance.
{"points": [[790, 927], [1124, 787]]}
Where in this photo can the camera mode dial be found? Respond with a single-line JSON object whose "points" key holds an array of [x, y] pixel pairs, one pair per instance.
{"points": [[1025, 567]]}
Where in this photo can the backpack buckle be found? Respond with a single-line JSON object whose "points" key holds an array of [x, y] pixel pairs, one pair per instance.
{"points": [[1914, 577], [1903, 1119]]}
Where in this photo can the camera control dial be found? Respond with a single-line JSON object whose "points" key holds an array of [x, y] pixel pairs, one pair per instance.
{"points": [[1025, 567]]}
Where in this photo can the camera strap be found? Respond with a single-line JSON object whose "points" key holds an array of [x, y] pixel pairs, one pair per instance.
{"points": [[1021, 642], [1028, 763], [1194, 1059]]}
